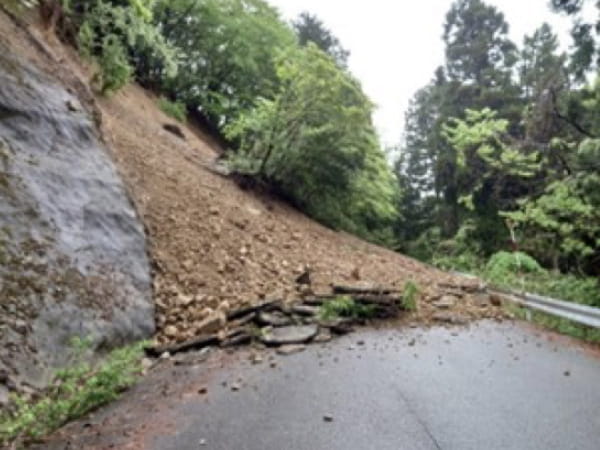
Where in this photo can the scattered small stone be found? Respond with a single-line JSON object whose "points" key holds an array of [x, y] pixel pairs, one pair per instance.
{"points": [[449, 317], [567, 373], [360, 342], [72, 106], [174, 129], [328, 418], [286, 350], [202, 442], [165, 355], [446, 302], [412, 342], [322, 337], [203, 390], [235, 387]]}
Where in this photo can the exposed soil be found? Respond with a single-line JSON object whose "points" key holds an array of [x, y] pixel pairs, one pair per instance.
{"points": [[214, 245]]}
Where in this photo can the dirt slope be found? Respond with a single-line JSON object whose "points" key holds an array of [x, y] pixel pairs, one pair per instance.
{"points": [[215, 246]]}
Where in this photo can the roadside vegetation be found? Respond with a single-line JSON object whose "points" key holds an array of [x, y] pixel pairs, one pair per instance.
{"points": [[345, 306], [77, 389], [558, 324]]}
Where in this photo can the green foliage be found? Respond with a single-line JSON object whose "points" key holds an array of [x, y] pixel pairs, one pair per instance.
{"points": [[410, 296], [315, 141], [123, 41], [345, 306], [520, 271], [558, 324], [227, 49], [115, 68], [177, 110], [309, 28], [504, 264], [77, 390], [478, 141]]}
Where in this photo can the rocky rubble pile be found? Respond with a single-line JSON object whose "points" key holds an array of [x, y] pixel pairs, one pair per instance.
{"points": [[288, 324]]}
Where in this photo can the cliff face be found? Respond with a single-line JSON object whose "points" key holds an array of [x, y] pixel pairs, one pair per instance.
{"points": [[73, 258]]}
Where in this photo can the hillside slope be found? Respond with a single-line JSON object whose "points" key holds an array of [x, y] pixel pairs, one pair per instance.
{"points": [[213, 245], [217, 246]]}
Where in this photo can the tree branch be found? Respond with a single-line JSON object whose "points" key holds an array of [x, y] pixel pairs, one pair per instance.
{"points": [[568, 120]]}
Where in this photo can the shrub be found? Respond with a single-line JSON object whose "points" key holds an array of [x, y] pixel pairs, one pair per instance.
{"points": [[410, 296], [76, 391], [176, 110], [504, 263], [115, 69], [121, 38], [345, 306]]}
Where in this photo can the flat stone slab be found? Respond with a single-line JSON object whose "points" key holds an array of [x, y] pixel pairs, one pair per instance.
{"points": [[295, 334], [275, 319], [446, 302]]}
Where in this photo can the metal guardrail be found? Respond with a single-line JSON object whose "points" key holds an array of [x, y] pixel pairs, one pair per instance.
{"points": [[583, 314]]}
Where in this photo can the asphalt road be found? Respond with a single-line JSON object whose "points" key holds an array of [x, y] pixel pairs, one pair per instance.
{"points": [[488, 386]]}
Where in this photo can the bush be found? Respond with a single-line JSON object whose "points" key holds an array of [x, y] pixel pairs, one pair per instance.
{"points": [[115, 70], [315, 141], [410, 296], [76, 391], [502, 264], [345, 306], [176, 110], [121, 38]]}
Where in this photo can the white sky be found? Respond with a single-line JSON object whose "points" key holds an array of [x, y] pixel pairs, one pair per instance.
{"points": [[396, 45]]}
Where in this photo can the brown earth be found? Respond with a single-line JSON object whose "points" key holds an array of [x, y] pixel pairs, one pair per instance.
{"points": [[215, 246]]}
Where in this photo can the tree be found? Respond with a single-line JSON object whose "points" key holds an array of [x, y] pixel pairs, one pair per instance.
{"points": [[227, 48], [414, 167], [309, 28], [586, 36], [315, 141], [477, 47]]}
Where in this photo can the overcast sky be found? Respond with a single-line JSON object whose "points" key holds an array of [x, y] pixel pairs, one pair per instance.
{"points": [[396, 45]]}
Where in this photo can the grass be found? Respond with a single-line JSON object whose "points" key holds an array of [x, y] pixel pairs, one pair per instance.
{"points": [[410, 295], [345, 306], [77, 390], [558, 324], [176, 110]]}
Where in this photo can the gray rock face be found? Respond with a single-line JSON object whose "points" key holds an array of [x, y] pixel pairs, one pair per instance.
{"points": [[73, 256]]}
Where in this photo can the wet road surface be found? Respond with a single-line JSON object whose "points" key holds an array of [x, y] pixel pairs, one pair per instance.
{"points": [[487, 386]]}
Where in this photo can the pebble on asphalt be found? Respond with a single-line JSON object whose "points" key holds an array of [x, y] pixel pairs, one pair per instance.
{"points": [[328, 418]]}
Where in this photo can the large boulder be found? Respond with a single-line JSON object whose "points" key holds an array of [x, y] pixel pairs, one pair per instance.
{"points": [[73, 258]]}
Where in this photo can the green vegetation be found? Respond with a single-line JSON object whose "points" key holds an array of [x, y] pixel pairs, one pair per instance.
{"points": [[520, 271], [410, 296], [122, 38], [558, 324], [345, 306], [77, 390], [176, 110], [501, 155], [314, 141]]}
